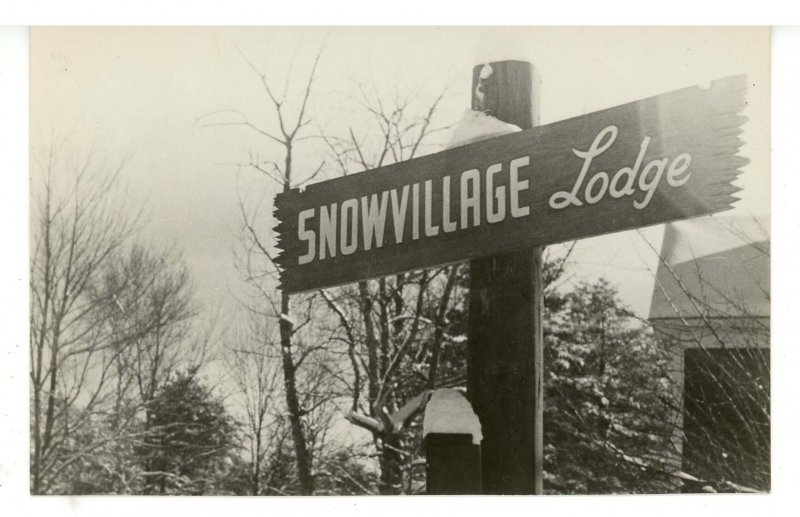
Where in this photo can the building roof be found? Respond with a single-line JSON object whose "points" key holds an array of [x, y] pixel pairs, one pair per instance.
{"points": [[718, 267]]}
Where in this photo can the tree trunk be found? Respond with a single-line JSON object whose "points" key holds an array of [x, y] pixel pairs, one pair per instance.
{"points": [[372, 347], [391, 474], [302, 456], [377, 363], [257, 466]]}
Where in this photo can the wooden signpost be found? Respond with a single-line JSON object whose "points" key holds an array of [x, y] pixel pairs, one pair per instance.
{"points": [[495, 203], [505, 338], [652, 161]]}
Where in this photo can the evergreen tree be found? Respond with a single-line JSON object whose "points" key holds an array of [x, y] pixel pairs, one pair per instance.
{"points": [[607, 396], [192, 440]]}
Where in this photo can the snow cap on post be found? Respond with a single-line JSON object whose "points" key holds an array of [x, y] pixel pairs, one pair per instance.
{"points": [[475, 126], [503, 56], [494, 45], [449, 412]]}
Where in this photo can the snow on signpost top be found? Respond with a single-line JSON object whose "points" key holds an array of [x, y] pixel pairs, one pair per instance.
{"points": [[449, 412], [476, 125]]}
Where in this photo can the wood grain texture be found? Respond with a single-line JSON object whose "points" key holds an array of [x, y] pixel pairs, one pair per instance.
{"points": [[702, 122]]}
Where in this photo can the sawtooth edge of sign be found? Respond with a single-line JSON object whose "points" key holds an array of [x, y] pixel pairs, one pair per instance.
{"points": [[706, 117]]}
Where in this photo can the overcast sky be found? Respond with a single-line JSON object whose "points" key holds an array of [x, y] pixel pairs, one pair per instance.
{"points": [[142, 90]]}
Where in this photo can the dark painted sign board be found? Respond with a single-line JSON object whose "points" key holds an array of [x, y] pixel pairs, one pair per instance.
{"points": [[660, 159]]}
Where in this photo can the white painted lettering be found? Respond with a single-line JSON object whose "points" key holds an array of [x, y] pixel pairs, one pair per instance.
{"points": [[629, 173], [517, 186], [627, 180], [306, 235], [430, 229], [447, 224], [495, 212], [399, 213], [678, 167], [649, 186], [594, 198], [470, 201], [415, 211], [349, 227], [327, 231], [373, 219], [563, 199]]}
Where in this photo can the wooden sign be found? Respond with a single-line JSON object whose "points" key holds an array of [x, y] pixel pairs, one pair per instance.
{"points": [[656, 160]]}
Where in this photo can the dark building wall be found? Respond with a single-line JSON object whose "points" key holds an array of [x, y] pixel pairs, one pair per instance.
{"points": [[726, 424]]}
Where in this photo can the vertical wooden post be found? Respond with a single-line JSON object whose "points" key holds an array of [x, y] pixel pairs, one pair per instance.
{"points": [[504, 363], [452, 437], [453, 465]]}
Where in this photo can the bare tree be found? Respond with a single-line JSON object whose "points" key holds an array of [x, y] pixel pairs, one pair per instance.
{"points": [[148, 297], [257, 264], [109, 320], [380, 340], [393, 328], [79, 219], [256, 375]]}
